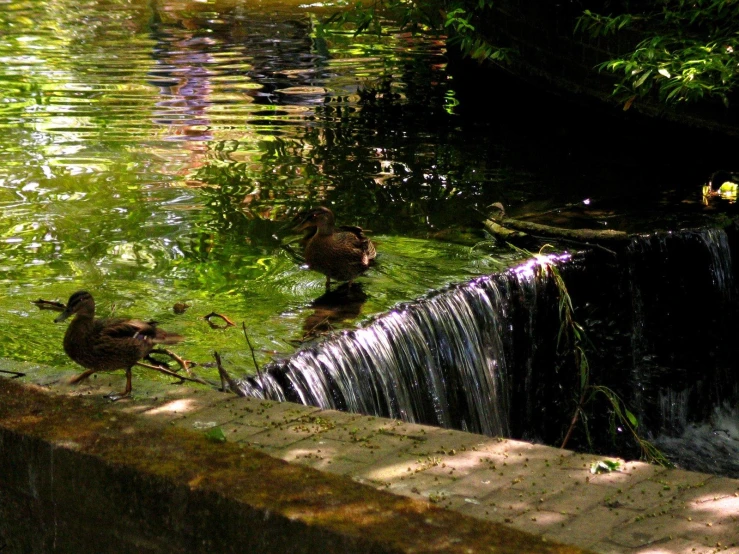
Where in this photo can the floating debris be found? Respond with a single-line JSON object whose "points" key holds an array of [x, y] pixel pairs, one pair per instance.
{"points": [[228, 322], [49, 305], [180, 307]]}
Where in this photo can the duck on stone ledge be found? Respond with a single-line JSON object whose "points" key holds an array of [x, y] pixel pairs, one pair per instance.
{"points": [[108, 344], [340, 253]]}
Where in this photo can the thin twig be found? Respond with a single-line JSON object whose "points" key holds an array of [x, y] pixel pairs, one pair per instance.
{"points": [[49, 305], [194, 378], [229, 323], [312, 332], [15, 374], [184, 364], [253, 357], [225, 377]]}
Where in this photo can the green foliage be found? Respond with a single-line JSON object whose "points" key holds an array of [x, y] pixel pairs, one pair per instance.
{"points": [[604, 466], [687, 53], [597, 25], [215, 434], [459, 19]]}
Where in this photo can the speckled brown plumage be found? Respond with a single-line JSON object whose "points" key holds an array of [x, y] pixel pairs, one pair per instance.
{"points": [[341, 253], [108, 344]]}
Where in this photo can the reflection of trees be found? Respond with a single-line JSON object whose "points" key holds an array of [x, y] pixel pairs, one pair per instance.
{"points": [[372, 163]]}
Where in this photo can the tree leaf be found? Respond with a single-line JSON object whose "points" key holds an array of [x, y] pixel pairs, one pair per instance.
{"points": [[215, 434], [604, 466], [632, 419]]}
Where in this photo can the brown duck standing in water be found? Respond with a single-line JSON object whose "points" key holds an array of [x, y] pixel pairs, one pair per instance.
{"points": [[341, 253], [108, 344]]}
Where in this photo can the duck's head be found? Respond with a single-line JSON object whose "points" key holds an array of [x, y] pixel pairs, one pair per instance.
{"points": [[320, 217], [81, 302]]}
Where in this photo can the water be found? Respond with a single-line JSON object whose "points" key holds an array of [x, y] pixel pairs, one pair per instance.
{"points": [[709, 446], [152, 151]]}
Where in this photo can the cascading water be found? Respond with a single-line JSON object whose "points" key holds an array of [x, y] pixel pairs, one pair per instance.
{"points": [[685, 323], [440, 361], [483, 356], [682, 289]]}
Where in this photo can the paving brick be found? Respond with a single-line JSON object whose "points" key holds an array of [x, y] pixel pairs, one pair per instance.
{"points": [[674, 546], [209, 416], [280, 436], [542, 522], [482, 483], [605, 547], [398, 467], [597, 523], [717, 498], [681, 479], [236, 431], [649, 529], [175, 408], [578, 499], [649, 496], [439, 442], [328, 455], [511, 499], [499, 512], [433, 489]]}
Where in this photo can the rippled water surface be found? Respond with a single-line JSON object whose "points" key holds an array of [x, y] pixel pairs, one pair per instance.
{"points": [[153, 151]]}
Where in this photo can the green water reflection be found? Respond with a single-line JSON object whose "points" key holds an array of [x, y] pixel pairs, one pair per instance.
{"points": [[152, 151]]}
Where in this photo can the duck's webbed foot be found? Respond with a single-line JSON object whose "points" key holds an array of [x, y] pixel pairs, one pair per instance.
{"points": [[114, 397]]}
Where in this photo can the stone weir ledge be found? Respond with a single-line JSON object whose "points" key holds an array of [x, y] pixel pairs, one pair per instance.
{"points": [[187, 469]]}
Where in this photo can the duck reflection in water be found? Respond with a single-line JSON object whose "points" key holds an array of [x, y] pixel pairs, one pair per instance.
{"points": [[341, 304]]}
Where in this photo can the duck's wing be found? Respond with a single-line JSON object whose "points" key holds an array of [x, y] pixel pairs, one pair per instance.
{"points": [[360, 241], [126, 328], [352, 229], [121, 329]]}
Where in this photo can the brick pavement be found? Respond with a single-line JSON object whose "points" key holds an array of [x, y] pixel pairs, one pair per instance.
{"points": [[542, 490]]}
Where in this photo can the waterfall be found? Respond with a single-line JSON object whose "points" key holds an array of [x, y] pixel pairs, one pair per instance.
{"points": [[482, 356], [683, 320], [441, 360]]}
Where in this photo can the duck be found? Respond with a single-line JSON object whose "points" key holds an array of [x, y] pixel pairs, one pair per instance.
{"points": [[108, 344], [340, 253], [719, 178]]}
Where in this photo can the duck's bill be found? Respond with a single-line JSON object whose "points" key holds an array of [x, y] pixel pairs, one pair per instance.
{"points": [[62, 316]]}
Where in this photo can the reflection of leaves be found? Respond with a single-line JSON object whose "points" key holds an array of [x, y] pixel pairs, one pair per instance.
{"points": [[381, 163]]}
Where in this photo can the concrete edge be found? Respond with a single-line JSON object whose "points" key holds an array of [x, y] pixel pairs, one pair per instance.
{"points": [[77, 477]]}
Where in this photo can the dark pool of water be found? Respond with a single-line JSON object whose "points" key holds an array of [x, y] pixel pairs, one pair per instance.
{"points": [[150, 151]]}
